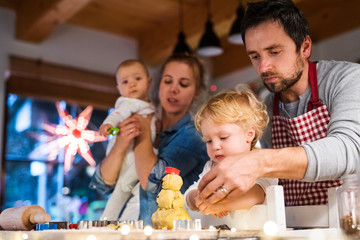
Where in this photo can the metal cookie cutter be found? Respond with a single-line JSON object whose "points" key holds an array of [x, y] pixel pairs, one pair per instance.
{"points": [[101, 223], [187, 224], [85, 224], [135, 224], [61, 225]]}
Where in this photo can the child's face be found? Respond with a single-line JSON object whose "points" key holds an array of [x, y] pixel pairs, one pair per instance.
{"points": [[133, 82], [224, 140]]}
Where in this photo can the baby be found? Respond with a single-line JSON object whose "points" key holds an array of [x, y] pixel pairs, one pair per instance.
{"points": [[230, 123], [133, 82]]}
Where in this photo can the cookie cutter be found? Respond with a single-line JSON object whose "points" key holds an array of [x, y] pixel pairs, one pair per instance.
{"points": [[115, 222], [101, 223], [135, 224], [61, 225], [85, 224], [187, 224]]}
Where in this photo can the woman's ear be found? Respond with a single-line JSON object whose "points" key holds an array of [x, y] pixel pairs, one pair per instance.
{"points": [[250, 134]]}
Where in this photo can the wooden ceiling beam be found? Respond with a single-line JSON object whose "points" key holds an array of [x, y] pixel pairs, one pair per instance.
{"points": [[36, 19], [157, 44], [157, 36]]}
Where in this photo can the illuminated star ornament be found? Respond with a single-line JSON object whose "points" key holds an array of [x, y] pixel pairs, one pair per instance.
{"points": [[73, 136]]}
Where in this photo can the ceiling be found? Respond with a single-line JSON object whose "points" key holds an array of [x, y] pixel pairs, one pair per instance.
{"points": [[155, 23]]}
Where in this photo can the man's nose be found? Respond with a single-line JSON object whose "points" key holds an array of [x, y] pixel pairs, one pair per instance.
{"points": [[265, 64]]}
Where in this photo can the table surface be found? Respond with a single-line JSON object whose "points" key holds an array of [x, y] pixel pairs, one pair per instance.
{"points": [[106, 234]]}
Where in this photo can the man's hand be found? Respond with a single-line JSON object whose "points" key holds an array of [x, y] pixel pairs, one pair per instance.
{"points": [[229, 179]]}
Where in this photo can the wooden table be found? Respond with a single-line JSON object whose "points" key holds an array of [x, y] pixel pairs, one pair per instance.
{"points": [[107, 234]]}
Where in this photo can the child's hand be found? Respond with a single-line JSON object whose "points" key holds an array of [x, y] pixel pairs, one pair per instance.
{"points": [[220, 214], [198, 199], [103, 130], [199, 204], [216, 210]]}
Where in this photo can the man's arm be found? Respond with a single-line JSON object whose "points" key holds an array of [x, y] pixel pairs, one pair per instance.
{"points": [[239, 173], [338, 153]]}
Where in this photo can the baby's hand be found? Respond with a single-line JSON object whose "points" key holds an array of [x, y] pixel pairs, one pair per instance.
{"points": [[103, 130]]}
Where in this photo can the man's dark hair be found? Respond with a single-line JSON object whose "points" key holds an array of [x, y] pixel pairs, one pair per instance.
{"points": [[282, 11]]}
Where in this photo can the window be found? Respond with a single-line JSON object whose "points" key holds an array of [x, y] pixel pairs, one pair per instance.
{"points": [[34, 170]]}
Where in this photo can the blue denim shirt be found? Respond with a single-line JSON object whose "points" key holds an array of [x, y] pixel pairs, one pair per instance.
{"points": [[181, 147]]}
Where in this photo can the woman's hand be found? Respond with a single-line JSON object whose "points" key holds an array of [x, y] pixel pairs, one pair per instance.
{"points": [[128, 130], [142, 127], [112, 163]]}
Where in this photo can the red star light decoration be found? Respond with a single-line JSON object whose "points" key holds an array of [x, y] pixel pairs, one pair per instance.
{"points": [[73, 136]]}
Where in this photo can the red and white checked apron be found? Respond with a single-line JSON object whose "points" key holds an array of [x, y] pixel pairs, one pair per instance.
{"points": [[292, 132]]}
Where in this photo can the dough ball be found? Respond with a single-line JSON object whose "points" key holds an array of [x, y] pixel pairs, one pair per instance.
{"points": [[172, 182], [170, 199], [164, 218]]}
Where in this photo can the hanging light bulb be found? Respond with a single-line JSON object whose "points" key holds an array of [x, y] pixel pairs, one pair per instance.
{"points": [[181, 46], [235, 32], [209, 45]]}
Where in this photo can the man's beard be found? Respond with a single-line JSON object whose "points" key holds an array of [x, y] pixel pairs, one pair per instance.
{"points": [[285, 83]]}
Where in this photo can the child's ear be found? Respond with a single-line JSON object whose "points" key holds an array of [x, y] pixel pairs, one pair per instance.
{"points": [[250, 135], [149, 81]]}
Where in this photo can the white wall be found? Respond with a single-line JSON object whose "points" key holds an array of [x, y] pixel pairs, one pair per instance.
{"points": [[345, 47], [68, 45]]}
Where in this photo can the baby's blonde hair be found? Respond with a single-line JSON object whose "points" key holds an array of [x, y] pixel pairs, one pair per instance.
{"points": [[235, 106]]}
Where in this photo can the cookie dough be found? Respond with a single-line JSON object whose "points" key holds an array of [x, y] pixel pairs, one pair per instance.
{"points": [[170, 199], [164, 218], [172, 182]]}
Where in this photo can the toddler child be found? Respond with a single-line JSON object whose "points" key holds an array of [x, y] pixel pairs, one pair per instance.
{"points": [[230, 123], [133, 82]]}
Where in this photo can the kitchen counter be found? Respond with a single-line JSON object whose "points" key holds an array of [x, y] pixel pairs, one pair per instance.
{"points": [[106, 234]]}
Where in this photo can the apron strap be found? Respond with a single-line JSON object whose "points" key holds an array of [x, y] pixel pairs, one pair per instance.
{"points": [[314, 101], [276, 105]]}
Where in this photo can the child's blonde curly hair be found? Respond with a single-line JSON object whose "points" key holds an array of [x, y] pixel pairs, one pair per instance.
{"points": [[235, 106]]}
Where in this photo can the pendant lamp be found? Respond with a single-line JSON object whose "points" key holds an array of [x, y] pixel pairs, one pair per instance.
{"points": [[209, 45], [181, 47], [235, 31]]}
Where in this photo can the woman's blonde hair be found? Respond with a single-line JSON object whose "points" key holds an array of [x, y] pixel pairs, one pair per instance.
{"points": [[235, 106]]}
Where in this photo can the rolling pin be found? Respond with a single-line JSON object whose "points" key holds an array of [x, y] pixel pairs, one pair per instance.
{"points": [[23, 218]]}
